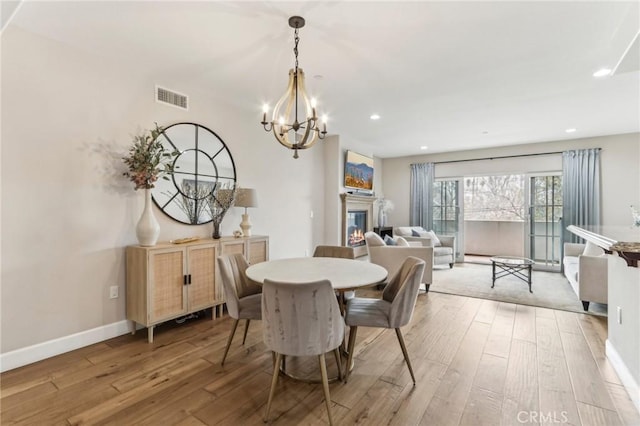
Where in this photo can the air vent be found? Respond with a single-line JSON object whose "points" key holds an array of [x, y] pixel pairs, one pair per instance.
{"points": [[170, 97]]}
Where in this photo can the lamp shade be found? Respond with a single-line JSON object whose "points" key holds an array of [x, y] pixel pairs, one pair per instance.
{"points": [[247, 197]]}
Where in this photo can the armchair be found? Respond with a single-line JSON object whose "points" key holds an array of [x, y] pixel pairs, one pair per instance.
{"points": [[443, 249], [391, 258], [585, 267]]}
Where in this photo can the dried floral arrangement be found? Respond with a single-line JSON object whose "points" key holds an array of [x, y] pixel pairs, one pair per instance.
{"points": [[385, 204], [193, 200], [219, 201], [148, 159]]}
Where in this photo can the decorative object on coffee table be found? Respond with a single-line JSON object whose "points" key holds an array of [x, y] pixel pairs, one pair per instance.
{"points": [[147, 161], [246, 198]]}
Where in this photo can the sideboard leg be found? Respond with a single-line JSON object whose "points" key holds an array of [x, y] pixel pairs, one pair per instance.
{"points": [[150, 334]]}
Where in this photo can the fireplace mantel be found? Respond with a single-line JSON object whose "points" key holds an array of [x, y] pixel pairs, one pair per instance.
{"points": [[351, 202]]}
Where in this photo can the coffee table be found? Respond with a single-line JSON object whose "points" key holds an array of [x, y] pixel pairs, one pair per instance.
{"points": [[511, 265]]}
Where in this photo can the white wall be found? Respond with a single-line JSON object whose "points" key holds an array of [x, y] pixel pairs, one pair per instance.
{"points": [[67, 211], [620, 170]]}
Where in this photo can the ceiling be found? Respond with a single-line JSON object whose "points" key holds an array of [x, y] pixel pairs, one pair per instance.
{"points": [[445, 75]]}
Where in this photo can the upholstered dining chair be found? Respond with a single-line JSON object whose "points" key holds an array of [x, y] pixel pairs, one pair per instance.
{"points": [[243, 296], [393, 310], [334, 251], [342, 252], [301, 319]]}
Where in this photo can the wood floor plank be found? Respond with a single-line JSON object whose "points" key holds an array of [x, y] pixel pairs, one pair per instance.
{"points": [[588, 385], [556, 391], [567, 322], [596, 416], [499, 340], [624, 406], [155, 384], [524, 326], [491, 374], [412, 402], [447, 405], [487, 311], [591, 328], [483, 408], [521, 382], [445, 346], [476, 362]]}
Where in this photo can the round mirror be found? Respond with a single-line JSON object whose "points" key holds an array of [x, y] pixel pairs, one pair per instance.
{"points": [[203, 166]]}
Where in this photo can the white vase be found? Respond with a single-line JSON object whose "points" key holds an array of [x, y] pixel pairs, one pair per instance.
{"points": [[148, 229]]}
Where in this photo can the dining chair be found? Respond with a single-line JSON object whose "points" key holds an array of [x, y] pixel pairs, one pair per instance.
{"points": [[301, 319], [393, 310], [242, 296], [334, 251], [342, 252]]}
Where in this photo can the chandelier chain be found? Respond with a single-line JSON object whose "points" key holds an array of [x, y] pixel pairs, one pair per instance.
{"points": [[296, 39]]}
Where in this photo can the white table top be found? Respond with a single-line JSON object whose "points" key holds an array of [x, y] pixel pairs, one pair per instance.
{"points": [[344, 274]]}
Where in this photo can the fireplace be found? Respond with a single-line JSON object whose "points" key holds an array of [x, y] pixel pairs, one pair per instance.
{"points": [[357, 218], [356, 227]]}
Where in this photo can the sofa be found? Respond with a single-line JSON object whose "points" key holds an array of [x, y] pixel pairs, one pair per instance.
{"points": [[585, 266], [391, 257], [443, 245]]}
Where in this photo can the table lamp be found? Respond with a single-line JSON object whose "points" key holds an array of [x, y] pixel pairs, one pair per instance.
{"points": [[246, 198]]}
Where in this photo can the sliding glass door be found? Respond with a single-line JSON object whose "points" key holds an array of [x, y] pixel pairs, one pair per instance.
{"points": [[545, 221], [447, 212]]}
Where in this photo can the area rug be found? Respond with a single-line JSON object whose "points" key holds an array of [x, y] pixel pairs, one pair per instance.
{"points": [[550, 289]]}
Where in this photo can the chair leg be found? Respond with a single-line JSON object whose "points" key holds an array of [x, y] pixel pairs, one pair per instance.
{"points": [[226, 350], [336, 352], [406, 354], [274, 381], [246, 328], [325, 386], [352, 343]]}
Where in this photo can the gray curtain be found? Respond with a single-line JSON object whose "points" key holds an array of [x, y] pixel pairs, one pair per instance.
{"points": [[580, 189], [422, 178]]}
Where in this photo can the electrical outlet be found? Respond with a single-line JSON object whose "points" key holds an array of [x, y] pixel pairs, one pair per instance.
{"points": [[113, 292], [619, 315]]}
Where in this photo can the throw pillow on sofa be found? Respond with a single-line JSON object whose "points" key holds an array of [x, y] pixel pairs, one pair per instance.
{"points": [[401, 242], [389, 241]]}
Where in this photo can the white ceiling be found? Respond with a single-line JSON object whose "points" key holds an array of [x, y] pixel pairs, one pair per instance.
{"points": [[447, 75]]}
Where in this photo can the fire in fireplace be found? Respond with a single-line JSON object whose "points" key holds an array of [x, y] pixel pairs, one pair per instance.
{"points": [[356, 227]]}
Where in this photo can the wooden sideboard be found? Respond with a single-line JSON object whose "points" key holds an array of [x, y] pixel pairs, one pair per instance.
{"points": [[168, 281]]}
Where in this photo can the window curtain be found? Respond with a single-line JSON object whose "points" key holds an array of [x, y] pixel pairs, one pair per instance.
{"points": [[422, 178], [581, 189]]}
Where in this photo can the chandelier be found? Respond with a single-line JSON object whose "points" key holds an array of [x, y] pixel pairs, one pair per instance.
{"points": [[291, 130]]}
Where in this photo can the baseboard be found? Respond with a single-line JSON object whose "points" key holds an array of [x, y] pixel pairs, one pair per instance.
{"points": [[629, 383], [40, 351]]}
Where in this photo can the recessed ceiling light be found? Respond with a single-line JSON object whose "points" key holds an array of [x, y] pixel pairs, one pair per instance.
{"points": [[374, 117], [603, 72], [570, 130], [424, 147]]}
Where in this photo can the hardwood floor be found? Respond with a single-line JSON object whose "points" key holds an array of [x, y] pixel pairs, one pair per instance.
{"points": [[477, 362]]}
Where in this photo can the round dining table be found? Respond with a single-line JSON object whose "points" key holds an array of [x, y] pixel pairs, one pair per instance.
{"points": [[344, 274]]}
